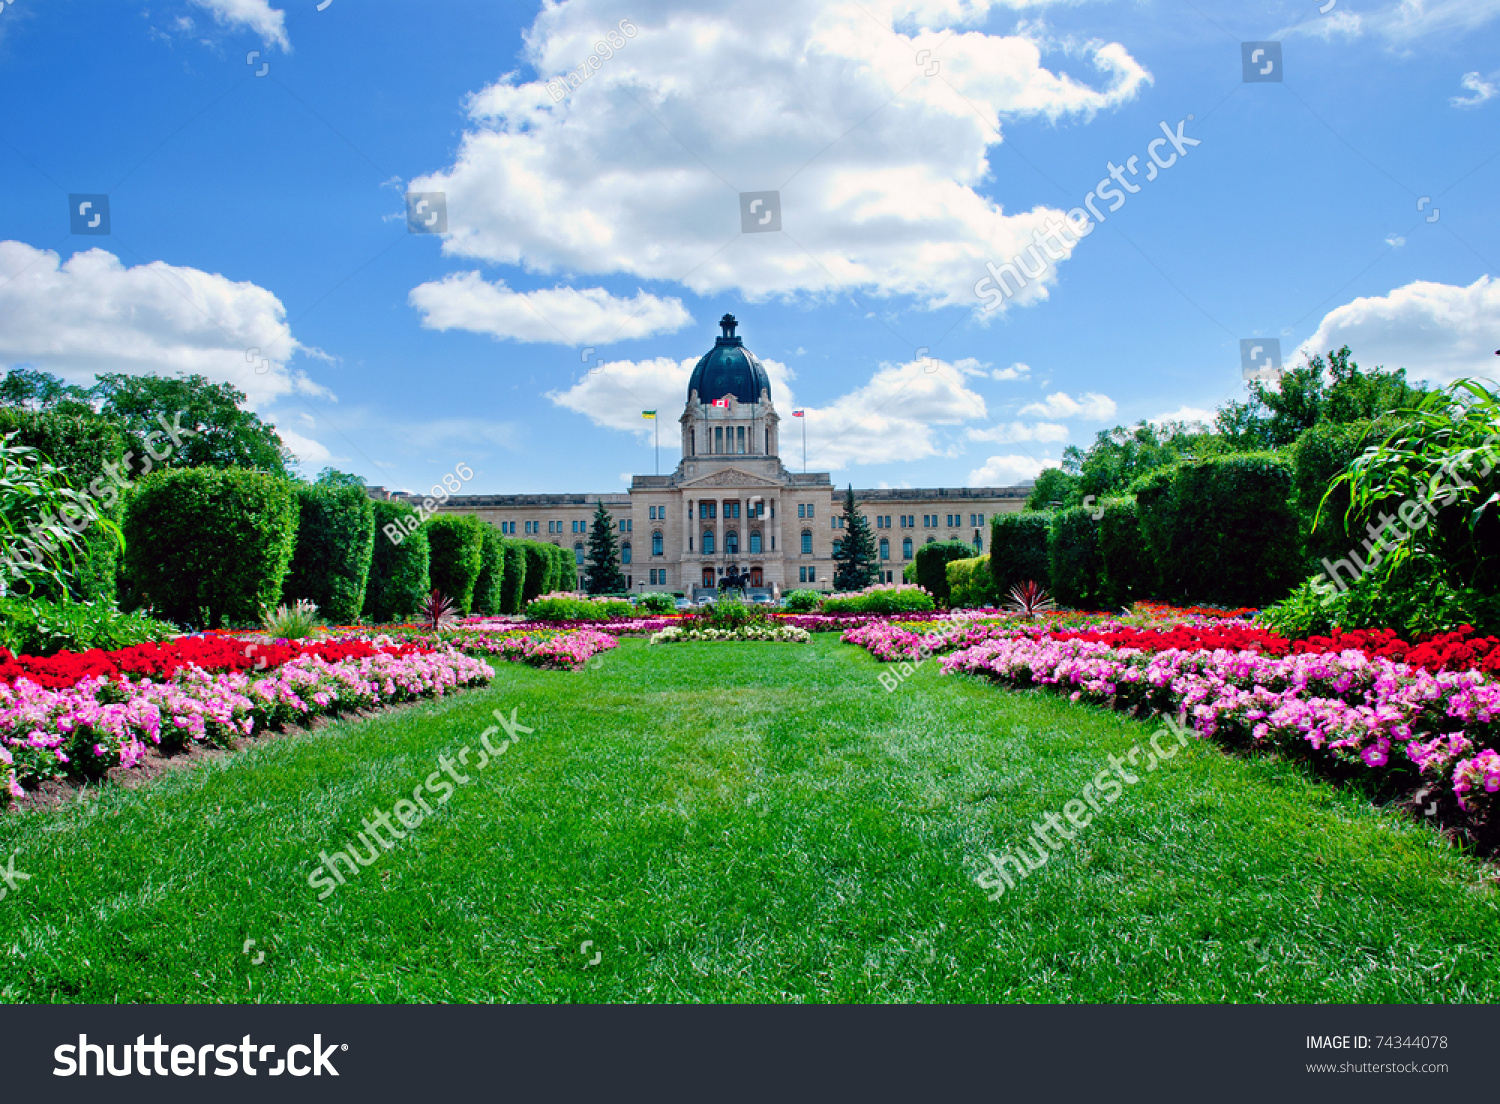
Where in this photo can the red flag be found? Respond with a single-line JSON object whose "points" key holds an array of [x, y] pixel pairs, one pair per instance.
{"points": [[796, 413], [721, 402]]}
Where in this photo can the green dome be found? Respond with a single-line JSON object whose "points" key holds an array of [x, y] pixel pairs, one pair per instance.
{"points": [[729, 369]]}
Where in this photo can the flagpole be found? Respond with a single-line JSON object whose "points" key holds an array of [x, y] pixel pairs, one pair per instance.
{"points": [[804, 443], [656, 430]]}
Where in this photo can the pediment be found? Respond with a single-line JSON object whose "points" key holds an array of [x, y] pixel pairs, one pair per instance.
{"points": [[732, 477]]}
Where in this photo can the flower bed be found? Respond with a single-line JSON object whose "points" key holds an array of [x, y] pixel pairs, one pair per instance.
{"points": [[1406, 729], [777, 634], [101, 722], [209, 653]]}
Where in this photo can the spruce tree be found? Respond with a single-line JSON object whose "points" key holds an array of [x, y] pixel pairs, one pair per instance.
{"points": [[856, 556], [604, 575]]}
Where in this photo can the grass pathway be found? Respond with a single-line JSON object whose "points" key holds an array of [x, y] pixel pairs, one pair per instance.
{"points": [[750, 822]]}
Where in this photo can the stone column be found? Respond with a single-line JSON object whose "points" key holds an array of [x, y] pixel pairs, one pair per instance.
{"points": [[780, 549], [687, 531], [718, 534]]}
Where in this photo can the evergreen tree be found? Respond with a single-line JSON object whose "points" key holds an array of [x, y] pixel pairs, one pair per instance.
{"points": [[604, 575], [856, 554]]}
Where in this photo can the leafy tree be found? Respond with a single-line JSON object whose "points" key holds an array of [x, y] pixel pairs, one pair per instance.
{"points": [[603, 575], [1120, 455], [1053, 485], [856, 568], [42, 522], [332, 477], [38, 390], [225, 435], [1336, 390]]}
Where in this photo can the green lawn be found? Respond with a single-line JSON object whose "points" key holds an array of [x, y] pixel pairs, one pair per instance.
{"points": [[742, 822]]}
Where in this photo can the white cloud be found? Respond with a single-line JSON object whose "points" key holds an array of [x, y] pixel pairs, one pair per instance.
{"points": [[1187, 414], [1395, 241], [92, 314], [1437, 332], [1007, 471], [636, 170], [890, 418], [567, 316], [252, 15], [305, 449], [1009, 433], [1090, 406], [1480, 90], [1400, 23], [1015, 371]]}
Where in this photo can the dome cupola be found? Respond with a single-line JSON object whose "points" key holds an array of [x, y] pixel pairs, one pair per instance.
{"points": [[729, 369]]}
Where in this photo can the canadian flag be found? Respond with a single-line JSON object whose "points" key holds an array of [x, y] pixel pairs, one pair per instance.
{"points": [[722, 402], [796, 413]]}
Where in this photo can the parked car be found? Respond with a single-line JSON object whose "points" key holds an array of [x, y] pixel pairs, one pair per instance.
{"points": [[684, 603], [760, 599]]}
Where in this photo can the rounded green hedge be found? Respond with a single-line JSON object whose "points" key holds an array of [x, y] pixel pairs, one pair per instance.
{"points": [[1018, 550], [1075, 564], [400, 577], [489, 588], [335, 542], [540, 571], [209, 546], [457, 552], [512, 584], [1129, 572], [932, 566]]}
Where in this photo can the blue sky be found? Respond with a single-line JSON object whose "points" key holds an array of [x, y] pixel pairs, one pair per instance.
{"points": [[598, 227]]}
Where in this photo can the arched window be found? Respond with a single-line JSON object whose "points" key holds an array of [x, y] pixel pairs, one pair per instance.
{"points": [[656, 543], [931, 540], [732, 542], [755, 542], [708, 542], [578, 552], [625, 553], [838, 549], [885, 548], [692, 442], [906, 549], [807, 542]]}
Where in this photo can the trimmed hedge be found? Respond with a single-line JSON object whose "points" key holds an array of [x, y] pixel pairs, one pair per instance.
{"points": [[1129, 571], [1321, 454], [970, 584], [579, 609], [457, 551], [80, 447], [540, 571], [1075, 564], [515, 577], [799, 601], [209, 541], [567, 569], [1018, 550], [489, 587], [400, 576], [335, 542], [882, 600], [1223, 530], [932, 566]]}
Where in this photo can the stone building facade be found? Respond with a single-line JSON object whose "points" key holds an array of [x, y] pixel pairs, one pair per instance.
{"points": [[732, 507]]}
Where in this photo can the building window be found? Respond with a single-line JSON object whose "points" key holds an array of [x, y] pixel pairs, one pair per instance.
{"points": [[809, 509], [657, 543], [718, 439], [768, 440], [812, 574], [732, 542], [802, 574], [693, 442], [708, 542], [801, 509], [807, 542], [578, 552], [739, 438], [755, 542], [625, 553], [885, 548], [707, 511], [931, 540], [906, 549], [838, 549], [978, 541], [732, 508]]}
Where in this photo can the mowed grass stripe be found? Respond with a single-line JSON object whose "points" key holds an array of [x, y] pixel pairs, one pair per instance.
{"points": [[741, 822]]}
